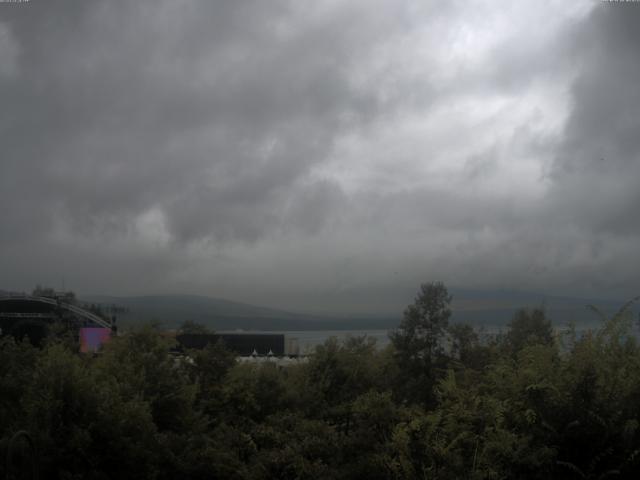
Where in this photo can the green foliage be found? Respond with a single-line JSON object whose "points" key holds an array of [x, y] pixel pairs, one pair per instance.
{"points": [[521, 407], [529, 327], [337, 372], [73, 415], [207, 371], [424, 323], [466, 347], [418, 342], [191, 327], [142, 366]]}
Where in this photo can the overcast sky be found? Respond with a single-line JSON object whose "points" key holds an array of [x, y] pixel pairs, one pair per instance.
{"points": [[320, 155]]}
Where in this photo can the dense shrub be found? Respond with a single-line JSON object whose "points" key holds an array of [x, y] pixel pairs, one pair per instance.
{"points": [[525, 405]]}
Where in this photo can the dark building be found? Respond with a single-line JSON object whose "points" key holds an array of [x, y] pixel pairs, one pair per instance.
{"points": [[244, 344]]}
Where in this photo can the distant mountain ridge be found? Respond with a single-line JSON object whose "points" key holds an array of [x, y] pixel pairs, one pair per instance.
{"points": [[479, 308], [220, 314], [496, 307]]}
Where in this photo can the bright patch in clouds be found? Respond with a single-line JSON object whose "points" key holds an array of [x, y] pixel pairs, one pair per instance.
{"points": [[320, 153]]}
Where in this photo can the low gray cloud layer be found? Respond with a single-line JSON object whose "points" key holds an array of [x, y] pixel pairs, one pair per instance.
{"points": [[313, 155]]}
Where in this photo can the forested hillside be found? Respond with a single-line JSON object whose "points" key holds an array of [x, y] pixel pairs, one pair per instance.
{"points": [[435, 404]]}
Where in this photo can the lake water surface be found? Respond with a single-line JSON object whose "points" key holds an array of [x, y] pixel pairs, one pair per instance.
{"points": [[309, 339]]}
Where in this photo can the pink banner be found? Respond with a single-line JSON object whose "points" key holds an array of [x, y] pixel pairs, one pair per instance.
{"points": [[91, 339]]}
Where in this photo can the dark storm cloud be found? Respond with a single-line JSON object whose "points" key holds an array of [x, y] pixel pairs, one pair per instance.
{"points": [[317, 150], [598, 165], [208, 109]]}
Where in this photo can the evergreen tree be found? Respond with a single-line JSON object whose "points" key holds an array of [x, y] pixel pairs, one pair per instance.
{"points": [[418, 341]]}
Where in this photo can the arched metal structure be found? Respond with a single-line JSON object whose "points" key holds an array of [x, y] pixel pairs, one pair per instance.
{"points": [[80, 312]]}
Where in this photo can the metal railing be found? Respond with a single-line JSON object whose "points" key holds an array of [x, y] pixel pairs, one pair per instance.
{"points": [[58, 303]]}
